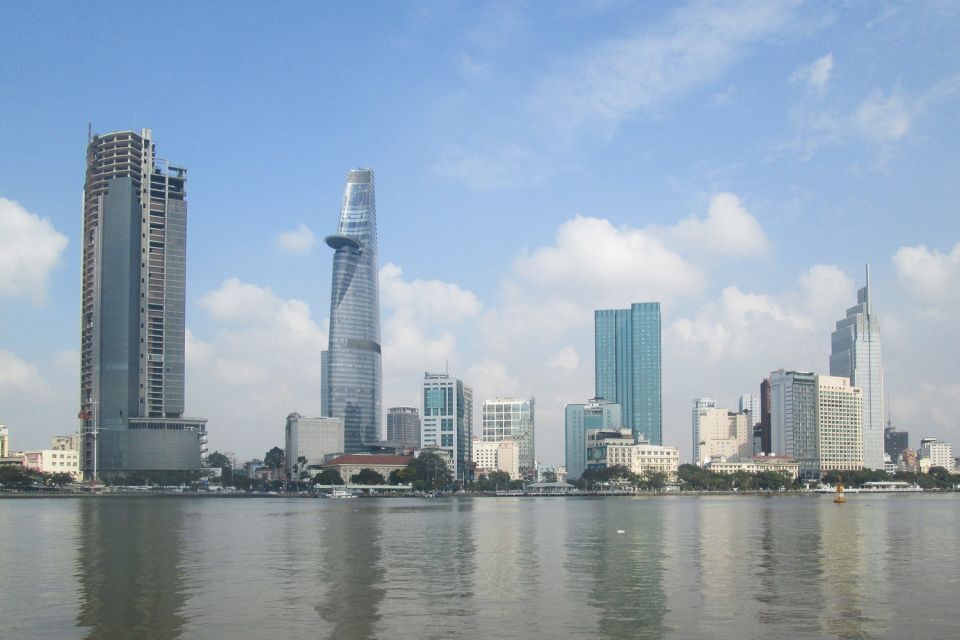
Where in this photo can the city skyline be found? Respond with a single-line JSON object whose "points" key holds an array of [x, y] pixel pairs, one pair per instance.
{"points": [[744, 190]]}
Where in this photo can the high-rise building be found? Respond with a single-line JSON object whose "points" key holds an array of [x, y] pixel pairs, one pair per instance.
{"points": [[512, 418], [839, 425], [934, 453], [351, 367], [895, 442], [447, 420], [855, 354], [793, 419], [750, 402], [313, 438], [133, 311], [578, 419], [723, 434], [4, 441], [628, 366], [699, 404], [816, 420], [403, 427], [761, 431]]}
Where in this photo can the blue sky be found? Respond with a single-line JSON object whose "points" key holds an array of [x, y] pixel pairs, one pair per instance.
{"points": [[739, 161]]}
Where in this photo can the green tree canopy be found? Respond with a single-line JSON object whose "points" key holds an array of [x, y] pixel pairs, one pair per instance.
{"points": [[274, 458], [217, 460], [328, 476], [430, 472], [367, 476]]}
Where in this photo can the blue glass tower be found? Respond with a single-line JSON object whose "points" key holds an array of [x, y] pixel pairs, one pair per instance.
{"points": [[628, 366], [352, 370]]}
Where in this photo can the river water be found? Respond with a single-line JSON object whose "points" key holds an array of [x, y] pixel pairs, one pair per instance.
{"points": [[684, 567]]}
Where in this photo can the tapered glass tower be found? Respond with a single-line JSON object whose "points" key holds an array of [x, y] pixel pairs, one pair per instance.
{"points": [[352, 370], [855, 354]]}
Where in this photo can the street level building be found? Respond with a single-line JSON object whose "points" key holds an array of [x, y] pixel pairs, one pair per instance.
{"points": [[628, 366], [643, 458], [4, 442], [447, 422], [855, 354], [934, 453], [723, 434], [350, 464], [403, 427], [599, 442], [313, 438], [497, 455], [351, 366], [62, 457], [133, 311], [513, 419], [780, 464]]}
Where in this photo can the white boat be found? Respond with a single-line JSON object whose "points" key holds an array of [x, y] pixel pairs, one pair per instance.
{"points": [[341, 492]]}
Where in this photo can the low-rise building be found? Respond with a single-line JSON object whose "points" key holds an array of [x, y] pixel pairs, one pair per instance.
{"points": [[599, 441], [351, 464], [643, 458], [4, 441], [502, 455], [781, 464], [63, 457]]}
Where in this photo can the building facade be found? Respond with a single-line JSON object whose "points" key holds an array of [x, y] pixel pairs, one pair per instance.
{"points": [[699, 404], [793, 419], [934, 453], [497, 455], [314, 438], [600, 440], [724, 434], [839, 425], [643, 458], [895, 442], [855, 354], [403, 427], [447, 420], [628, 366], [351, 366], [596, 413], [4, 442], [349, 465], [780, 464], [133, 311], [761, 433], [62, 457], [512, 418]]}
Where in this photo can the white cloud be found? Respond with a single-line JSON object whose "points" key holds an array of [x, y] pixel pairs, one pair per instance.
{"points": [[728, 230], [259, 364], [494, 380], [883, 117], [507, 165], [16, 374], [297, 241], [425, 301], [929, 275], [566, 359], [30, 249], [599, 89], [817, 75], [593, 260]]}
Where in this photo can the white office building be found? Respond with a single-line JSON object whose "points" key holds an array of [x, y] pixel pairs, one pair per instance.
{"points": [[699, 404], [934, 453], [839, 425], [723, 434], [446, 422], [513, 419], [502, 455], [312, 438]]}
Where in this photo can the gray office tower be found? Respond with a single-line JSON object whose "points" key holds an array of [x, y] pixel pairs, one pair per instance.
{"points": [[352, 371], [855, 354], [132, 311], [403, 427], [628, 366]]}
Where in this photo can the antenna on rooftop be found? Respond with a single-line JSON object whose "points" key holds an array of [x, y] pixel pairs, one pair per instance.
{"points": [[89, 132]]}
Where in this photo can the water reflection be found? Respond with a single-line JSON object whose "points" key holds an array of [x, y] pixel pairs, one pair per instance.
{"points": [[129, 568], [350, 564], [624, 571]]}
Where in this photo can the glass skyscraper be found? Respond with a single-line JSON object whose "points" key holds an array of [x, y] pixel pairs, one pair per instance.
{"points": [[855, 354], [628, 366], [580, 418], [132, 310], [447, 422], [512, 418], [352, 370]]}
